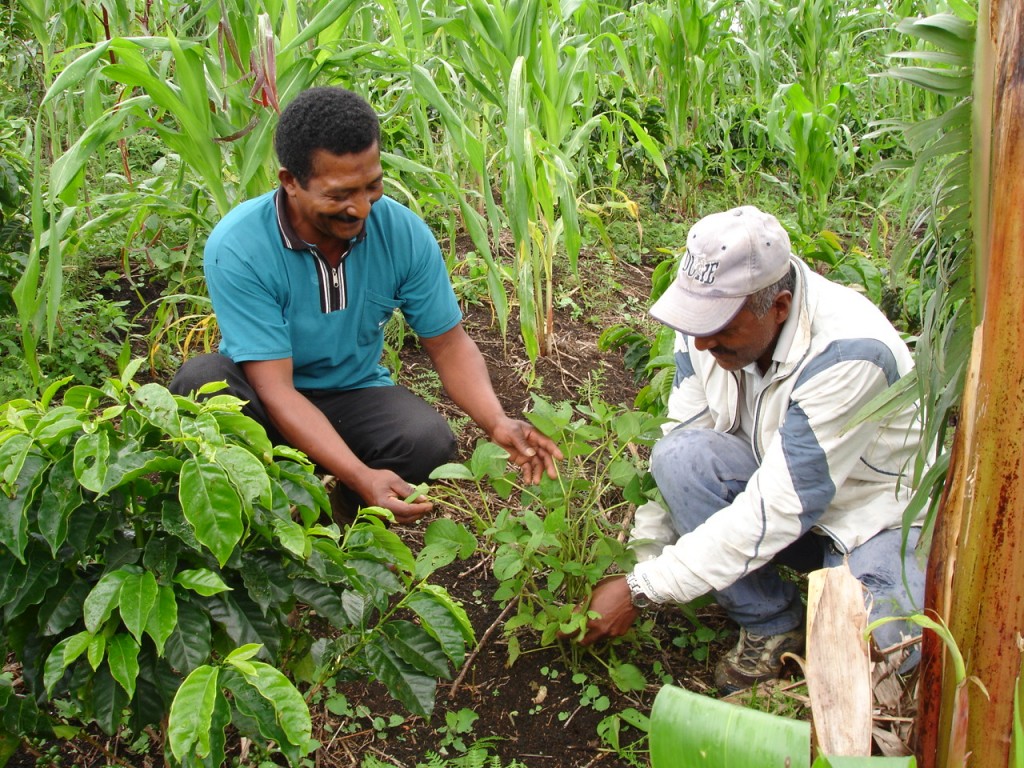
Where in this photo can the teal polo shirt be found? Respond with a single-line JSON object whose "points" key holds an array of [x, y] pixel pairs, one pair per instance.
{"points": [[276, 297]]}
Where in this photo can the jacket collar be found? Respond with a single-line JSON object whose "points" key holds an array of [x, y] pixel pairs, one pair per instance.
{"points": [[795, 336]]}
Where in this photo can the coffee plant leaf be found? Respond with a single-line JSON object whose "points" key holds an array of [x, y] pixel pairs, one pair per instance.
{"points": [[212, 507], [416, 647], [444, 618], [163, 618], [290, 710], [407, 684], [255, 715], [60, 496], [103, 598], [202, 581], [123, 661], [159, 408], [14, 503], [243, 622], [108, 700], [323, 599], [63, 606], [189, 643], [191, 716], [137, 597], [248, 474]]}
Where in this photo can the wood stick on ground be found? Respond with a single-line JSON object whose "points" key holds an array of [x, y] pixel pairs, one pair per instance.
{"points": [[476, 651]]}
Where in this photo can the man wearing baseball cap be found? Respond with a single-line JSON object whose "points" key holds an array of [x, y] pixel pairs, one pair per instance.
{"points": [[760, 464]]}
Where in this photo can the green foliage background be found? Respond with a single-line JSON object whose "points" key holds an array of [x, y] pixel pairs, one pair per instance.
{"points": [[132, 127]]}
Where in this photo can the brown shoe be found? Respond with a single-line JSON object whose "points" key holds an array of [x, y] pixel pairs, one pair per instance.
{"points": [[755, 659]]}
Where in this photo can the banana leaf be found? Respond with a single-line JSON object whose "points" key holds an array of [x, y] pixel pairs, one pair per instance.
{"points": [[689, 730]]}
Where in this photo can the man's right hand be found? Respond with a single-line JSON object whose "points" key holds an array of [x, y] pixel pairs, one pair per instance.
{"points": [[305, 427], [383, 488], [610, 599]]}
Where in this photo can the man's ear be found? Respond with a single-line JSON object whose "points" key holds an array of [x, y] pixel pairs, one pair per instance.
{"points": [[287, 179], [781, 305]]}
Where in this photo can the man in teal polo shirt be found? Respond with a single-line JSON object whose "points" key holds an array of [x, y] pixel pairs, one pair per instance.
{"points": [[303, 281]]}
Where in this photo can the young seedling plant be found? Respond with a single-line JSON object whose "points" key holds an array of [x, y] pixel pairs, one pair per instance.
{"points": [[551, 548]]}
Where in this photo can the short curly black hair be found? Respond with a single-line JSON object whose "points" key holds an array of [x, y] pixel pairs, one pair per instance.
{"points": [[329, 118]]}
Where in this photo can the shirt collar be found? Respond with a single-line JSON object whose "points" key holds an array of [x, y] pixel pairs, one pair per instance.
{"points": [[289, 237]]}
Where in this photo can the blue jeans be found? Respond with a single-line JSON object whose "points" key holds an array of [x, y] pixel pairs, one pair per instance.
{"points": [[701, 471]]}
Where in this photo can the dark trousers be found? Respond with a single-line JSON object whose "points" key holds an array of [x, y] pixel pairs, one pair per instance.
{"points": [[386, 427]]}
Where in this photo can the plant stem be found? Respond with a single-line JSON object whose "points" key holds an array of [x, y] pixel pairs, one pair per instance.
{"points": [[476, 651]]}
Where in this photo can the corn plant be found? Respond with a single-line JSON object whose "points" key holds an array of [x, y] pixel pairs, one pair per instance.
{"points": [[817, 146], [147, 539], [814, 29], [526, 84], [685, 44], [209, 96]]}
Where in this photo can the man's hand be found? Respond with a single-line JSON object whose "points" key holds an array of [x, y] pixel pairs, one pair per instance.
{"points": [[383, 488], [611, 599], [528, 448], [464, 375]]}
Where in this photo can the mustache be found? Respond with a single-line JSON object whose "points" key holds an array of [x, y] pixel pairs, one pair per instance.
{"points": [[345, 218]]}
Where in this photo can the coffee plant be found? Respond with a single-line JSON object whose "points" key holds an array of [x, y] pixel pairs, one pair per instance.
{"points": [[154, 554]]}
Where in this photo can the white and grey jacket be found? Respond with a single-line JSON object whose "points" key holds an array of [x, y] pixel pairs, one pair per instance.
{"points": [[840, 352]]}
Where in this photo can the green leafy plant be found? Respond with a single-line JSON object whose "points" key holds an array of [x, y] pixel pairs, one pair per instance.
{"points": [[146, 538], [458, 725], [816, 144], [698, 640], [611, 731], [567, 532]]}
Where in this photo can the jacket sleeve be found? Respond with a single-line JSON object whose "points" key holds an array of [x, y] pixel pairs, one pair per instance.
{"points": [[652, 530], [808, 457], [687, 402]]}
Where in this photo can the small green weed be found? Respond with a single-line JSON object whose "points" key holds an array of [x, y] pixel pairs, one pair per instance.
{"points": [[457, 727], [698, 642], [611, 730], [591, 695]]}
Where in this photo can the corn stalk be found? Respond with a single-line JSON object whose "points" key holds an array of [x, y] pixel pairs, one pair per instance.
{"points": [[976, 574]]}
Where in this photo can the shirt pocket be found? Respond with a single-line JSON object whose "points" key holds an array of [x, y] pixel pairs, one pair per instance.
{"points": [[374, 315]]}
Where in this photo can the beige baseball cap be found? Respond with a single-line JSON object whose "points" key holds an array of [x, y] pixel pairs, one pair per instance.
{"points": [[728, 256]]}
